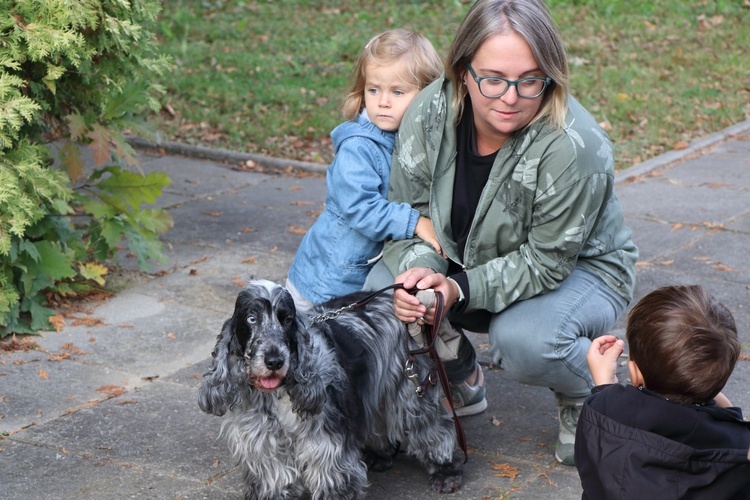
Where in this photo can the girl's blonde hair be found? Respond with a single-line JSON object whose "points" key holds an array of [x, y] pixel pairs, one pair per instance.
{"points": [[531, 20], [422, 63]]}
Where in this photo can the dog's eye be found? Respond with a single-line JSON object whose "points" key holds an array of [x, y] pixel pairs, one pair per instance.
{"points": [[251, 320], [288, 321]]}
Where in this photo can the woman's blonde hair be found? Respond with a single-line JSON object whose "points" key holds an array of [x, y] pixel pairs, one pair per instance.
{"points": [[531, 20], [422, 63]]}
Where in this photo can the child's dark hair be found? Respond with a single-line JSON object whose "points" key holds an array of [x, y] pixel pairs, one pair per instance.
{"points": [[684, 342]]}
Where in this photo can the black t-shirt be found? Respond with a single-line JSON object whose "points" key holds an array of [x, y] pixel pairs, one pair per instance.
{"points": [[472, 173]]}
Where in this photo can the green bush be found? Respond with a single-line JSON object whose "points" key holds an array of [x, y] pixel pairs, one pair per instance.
{"points": [[73, 75]]}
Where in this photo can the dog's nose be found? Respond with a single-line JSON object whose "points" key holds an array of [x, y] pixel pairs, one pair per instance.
{"points": [[273, 361]]}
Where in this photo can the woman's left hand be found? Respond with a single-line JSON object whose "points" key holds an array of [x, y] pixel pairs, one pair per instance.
{"points": [[407, 306]]}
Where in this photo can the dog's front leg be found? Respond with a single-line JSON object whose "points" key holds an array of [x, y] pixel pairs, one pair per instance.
{"points": [[332, 467]]}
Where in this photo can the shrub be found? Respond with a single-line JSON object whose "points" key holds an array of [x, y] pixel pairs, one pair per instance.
{"points": [[72, 75]]}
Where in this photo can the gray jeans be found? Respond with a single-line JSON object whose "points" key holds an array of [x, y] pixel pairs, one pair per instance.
{"points": [[542, 340]]}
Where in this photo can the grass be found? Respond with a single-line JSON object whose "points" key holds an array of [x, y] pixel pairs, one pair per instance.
{"points": [[268, 76]]}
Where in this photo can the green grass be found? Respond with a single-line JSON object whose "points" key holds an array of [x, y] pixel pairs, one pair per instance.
{"points": [[268, 76]]}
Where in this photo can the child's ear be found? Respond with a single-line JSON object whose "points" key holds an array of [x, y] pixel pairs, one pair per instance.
{"points": [[636, 377]]}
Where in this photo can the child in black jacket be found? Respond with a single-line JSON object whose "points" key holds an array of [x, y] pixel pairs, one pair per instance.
{"points": [[672, 434]]}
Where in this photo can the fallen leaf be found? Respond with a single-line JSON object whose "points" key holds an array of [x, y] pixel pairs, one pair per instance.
{"points": [[722, 267], [57, 321], [112, 390], [506, 470], [127, 325], [127, 402], [193, 272], [171, 335], [250, 260], [212, 214], [679, 145], [43, 374], [642, 264], [296, 188], [702, 259], [302, 203], [248, 230], [666, 262], [677, 226], [297, 230]]}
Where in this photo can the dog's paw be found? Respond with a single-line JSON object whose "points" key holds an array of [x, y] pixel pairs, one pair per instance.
{"points": [[448, 478], [446, 484], [378, 460]]}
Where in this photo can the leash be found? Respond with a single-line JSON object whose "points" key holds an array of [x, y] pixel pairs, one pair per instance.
{"points": [[431, 334]]}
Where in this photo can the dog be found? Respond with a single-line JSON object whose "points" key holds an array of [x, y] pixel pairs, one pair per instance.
{"points": [[315, 399]]}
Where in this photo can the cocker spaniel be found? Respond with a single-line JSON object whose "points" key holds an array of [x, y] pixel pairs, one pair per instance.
{"points": [[315, 399]]}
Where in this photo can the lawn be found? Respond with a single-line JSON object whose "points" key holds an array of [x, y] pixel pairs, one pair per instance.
{"points": [[268, 76]]}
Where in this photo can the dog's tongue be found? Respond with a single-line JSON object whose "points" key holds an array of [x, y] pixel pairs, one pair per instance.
{"points": [[270, 382]]}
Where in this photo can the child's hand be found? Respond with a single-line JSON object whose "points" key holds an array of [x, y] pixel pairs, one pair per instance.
{"points": [[426, 232], [602, 358]]}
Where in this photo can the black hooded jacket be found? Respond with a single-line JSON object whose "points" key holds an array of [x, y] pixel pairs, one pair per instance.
{"points": [[634, 444]]}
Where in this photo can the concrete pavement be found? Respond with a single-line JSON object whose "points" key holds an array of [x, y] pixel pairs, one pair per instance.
{"points": [[106, 408]]}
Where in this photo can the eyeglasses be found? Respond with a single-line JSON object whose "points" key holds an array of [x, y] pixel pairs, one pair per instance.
{"points": [[493, 87]]}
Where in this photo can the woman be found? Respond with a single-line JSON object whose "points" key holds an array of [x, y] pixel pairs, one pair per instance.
{"points": [[518, 180]]}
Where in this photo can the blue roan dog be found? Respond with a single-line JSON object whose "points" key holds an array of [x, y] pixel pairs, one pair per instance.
{"points": [[312, 403]]}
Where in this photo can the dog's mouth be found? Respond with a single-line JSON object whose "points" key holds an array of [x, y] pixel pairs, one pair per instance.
{"points": [[269, 383]]}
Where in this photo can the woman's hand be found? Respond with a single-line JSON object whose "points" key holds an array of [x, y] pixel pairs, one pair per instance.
{"points": [[602, 359], [407, 306]]}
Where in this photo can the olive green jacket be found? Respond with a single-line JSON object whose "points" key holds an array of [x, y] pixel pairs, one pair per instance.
{"points": [[549, 205]]}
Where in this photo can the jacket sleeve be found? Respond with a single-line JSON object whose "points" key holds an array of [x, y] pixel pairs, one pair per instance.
{"points": [[411, 178], [355, 185]]}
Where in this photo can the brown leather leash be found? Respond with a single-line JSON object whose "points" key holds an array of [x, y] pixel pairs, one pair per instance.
{"points": [[431, 333]]}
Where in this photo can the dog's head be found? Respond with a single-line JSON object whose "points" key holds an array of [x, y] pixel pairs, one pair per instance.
{"points": [[256, 346], [265, 326]]}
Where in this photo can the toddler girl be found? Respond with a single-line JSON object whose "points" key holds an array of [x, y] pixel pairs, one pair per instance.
{"points": [[347, 239]]}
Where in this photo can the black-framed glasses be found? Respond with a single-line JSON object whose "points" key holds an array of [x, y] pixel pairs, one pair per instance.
{"points": [[493, 87]]}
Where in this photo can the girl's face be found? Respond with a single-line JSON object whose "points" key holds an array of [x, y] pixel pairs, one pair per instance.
{"points": [[387, 95], [508, 56]]}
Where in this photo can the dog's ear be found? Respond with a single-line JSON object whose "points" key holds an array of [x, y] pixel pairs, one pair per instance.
{"points": [[220, 390], [307, 391]]}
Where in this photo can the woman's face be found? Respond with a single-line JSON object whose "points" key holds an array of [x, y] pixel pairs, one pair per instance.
{"points": [[508, 56]]}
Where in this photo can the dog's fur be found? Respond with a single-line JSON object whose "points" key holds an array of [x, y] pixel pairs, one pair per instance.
{"points": [[309, 401]]}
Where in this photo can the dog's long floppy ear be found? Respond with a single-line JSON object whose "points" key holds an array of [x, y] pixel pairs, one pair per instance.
{"points": [[307, 391], [220, 390]]}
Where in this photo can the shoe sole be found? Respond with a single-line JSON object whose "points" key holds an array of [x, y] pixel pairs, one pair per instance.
{"points": [[474, 409]]}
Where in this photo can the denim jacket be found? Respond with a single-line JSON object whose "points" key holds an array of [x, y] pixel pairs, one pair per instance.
{"points": [[347, 239]]}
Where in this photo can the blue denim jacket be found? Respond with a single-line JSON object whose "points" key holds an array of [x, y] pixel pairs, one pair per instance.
{"points": [[347, 239]]}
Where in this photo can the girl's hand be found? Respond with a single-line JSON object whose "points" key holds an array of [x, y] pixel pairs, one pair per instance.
{"points": [[426, 231]]}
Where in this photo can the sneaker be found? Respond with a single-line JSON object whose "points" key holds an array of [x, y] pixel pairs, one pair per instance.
{"points": [[469, 399], [568, 412]]}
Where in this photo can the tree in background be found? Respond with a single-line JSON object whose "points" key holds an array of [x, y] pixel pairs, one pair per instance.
{"points": [[73, 74]]}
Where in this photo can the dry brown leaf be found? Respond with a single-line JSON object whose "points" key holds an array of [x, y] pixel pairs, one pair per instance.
{"points": [[745, 357], [296, 188], [248, 230], [126, 325], [171, 335], [297, 230], [302, 203], [43, 374], [679, 145], [722, 267], [702, 259], [506, 470], [193, 272], [112, 390], [57, 321], [642, 264], [250, 260], [212, 214], [677, 226], [667, 262]]}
